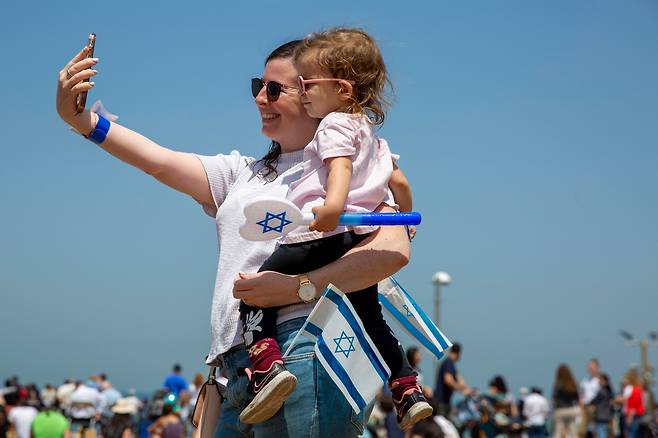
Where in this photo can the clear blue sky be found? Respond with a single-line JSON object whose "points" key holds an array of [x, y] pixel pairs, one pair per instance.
{"points": [[528, 130]]}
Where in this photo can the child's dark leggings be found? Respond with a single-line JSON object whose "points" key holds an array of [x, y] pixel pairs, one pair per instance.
{"points": [[300, 258]]}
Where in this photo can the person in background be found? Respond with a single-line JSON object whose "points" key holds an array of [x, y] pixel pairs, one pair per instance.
{"points": [[48, 395], [414, 357], [589, 387], [175, 382], [633, 404], [85, 407], [426, 428], [122, 423], [64, 392], [501, 399], [536, 409], [33, 398], [20, 418], [603, 407], [566, 404], [4, 422], [133, 400], [50, 424], [195, 388], [110, 396], [168, 425], [448, 380]]}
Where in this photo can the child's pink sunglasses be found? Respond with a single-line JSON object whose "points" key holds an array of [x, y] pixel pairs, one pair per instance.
{"points": [[302, 82]]}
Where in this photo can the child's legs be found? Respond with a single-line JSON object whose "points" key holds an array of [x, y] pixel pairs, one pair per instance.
{"points": [[299, 258], [366, 304], [260, 323]]}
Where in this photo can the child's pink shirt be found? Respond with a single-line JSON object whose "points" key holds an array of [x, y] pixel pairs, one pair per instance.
{"points": [[343, 135]]}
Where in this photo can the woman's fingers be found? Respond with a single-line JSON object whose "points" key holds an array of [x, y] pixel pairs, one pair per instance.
{"points": [[82, 86], [78, 67], [80, 76], [78, 57]]}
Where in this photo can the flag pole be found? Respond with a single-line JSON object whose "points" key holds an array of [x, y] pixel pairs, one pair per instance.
{"points": [[301, 330]]}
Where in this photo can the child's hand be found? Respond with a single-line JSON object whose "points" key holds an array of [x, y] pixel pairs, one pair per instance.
{"points": [[412, 231], [326, 218]]}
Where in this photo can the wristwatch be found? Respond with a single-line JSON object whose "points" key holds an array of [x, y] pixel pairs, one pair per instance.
{"points": [[307, 291]]}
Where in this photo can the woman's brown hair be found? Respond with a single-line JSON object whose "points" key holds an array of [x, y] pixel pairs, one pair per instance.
{"points": [[353, 55], [271, 158], [564, 380]]}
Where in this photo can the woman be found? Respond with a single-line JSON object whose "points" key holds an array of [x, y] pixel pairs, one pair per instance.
{"points": [[565, 403], [221, 184], [603, 407], [633, 409]]}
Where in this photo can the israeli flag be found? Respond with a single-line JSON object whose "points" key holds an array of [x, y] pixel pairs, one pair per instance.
{"points": [[399, 304], [345, 350]]}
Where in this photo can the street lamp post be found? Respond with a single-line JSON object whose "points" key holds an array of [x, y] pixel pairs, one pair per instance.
{"points": [[439, 279], [647, 369]]}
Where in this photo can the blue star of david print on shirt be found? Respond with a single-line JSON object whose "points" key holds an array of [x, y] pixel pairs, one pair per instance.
{"points": [[405, 307], [281, 217], [350, 344]]}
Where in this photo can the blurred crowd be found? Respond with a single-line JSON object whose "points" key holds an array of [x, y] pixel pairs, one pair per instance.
{"points": [[593, 407], [93, 408]]}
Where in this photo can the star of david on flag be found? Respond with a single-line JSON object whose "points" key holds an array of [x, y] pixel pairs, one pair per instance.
{"points": [[344, 349], [349, 342], [399, 304], [281, 217]]}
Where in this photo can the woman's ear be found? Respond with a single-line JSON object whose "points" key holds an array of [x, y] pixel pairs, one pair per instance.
{"points": [[346, 90]]}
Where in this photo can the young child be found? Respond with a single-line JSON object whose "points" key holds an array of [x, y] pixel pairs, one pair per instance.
{"points": [[346, 168]]}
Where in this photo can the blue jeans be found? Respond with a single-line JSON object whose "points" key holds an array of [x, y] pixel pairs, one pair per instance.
{"points": [[633, 429], [601, 430], [315, 409], [537, 432]]}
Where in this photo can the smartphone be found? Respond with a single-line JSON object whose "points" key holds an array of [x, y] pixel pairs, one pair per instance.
{"points": [[82, 97]]}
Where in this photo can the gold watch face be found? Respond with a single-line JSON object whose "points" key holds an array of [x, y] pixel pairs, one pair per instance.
{"points": [[307, 292]]}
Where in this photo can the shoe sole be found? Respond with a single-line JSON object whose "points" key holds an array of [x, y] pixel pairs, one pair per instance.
{"points": [[270, 399], [416, 413]]}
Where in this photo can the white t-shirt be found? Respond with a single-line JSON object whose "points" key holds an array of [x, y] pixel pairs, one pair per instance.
{"points": [[588, 389], [536, 409], [21, 417], [449, 430], [234, 180], [85, 403]]}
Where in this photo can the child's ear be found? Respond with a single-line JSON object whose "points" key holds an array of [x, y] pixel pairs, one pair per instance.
{"points": [[345, 91]]}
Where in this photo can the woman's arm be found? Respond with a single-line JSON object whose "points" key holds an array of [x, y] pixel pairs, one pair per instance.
{"points": [[180, 171], [380, 255]]}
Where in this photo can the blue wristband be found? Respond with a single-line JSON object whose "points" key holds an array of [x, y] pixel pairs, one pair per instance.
{"points": [[98, 134]]}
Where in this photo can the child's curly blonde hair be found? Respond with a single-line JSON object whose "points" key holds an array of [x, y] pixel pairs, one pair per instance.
{"points": [[351, 54]]}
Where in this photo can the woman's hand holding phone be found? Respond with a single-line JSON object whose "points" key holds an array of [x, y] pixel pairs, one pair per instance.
{"points": [[74, 83]]}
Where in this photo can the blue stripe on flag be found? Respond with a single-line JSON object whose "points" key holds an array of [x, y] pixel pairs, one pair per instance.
{"points": [[428, 322], [337, 368], [313, 329], [410, 327], [347, 314]]}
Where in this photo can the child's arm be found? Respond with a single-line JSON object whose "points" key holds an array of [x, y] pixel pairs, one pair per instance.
{"points": [[401, 189], [338, 184]]}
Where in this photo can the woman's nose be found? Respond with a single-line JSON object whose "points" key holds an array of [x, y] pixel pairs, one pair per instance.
{"points": [[261, 97]]}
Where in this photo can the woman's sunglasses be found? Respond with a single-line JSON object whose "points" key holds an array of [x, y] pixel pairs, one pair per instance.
{"points": [[273, 89]]}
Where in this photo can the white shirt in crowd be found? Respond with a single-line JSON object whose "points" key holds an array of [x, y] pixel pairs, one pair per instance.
{"points": [[21, 417], [449, 430], [588, 389], [85, 403], [535, 409]]}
